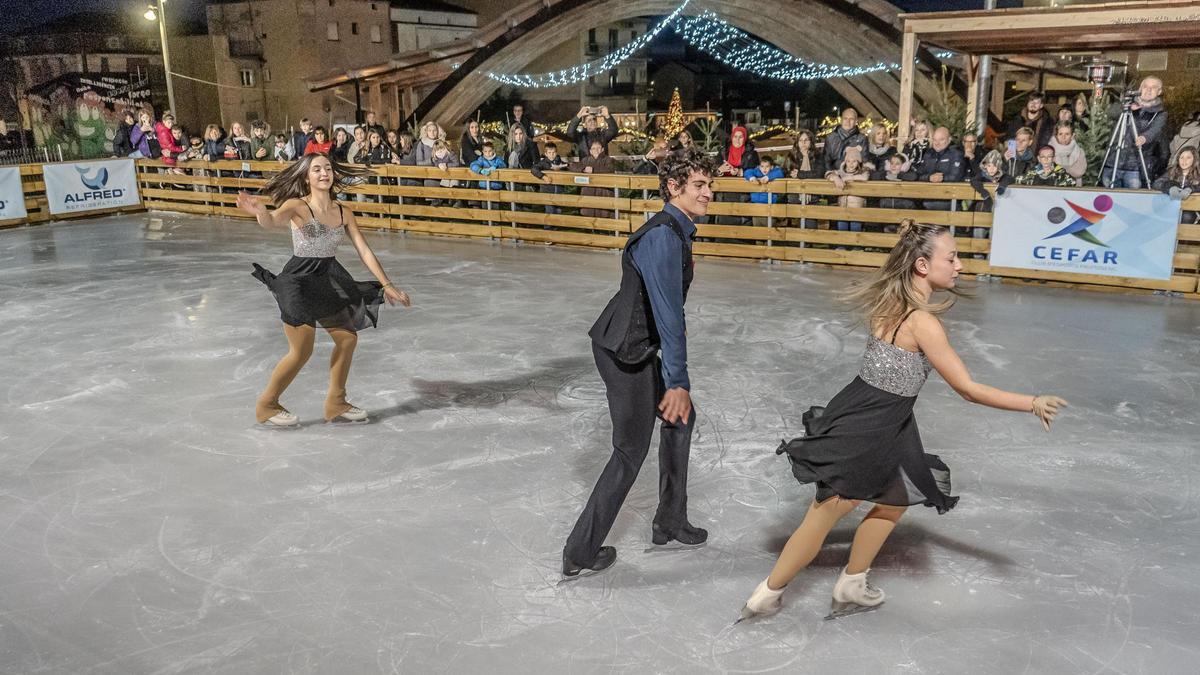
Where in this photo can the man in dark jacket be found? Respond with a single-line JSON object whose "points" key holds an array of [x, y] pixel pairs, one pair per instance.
{"points": [[846, 135], [1034, 116], [941, 163], [644, 317], [591, 131], [519, 117], [1149, 120]]}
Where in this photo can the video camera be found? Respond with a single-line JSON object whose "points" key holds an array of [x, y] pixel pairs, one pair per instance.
{"points": [[1128, 98]]}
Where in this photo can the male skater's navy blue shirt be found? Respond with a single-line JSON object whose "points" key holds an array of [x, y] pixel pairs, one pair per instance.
{"points": [[657, 258]]}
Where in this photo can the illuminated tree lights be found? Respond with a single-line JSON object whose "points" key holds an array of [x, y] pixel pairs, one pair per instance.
{"points": [[717, 38]]}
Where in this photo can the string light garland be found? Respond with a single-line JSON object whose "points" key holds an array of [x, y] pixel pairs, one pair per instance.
{"points": [[584, 71], [711, 34]]}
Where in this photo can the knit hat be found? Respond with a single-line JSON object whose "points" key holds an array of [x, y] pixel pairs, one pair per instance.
{"points": [[853, 152]]}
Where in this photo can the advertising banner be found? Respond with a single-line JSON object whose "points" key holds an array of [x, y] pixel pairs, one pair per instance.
{"points": [[12, 199], [1109, 233], [72, 187]]}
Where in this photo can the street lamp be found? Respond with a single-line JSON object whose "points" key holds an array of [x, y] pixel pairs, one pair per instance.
{"points": [[154, 13]]}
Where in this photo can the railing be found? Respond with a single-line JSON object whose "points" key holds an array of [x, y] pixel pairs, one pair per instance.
{"points": [[599, 210]]}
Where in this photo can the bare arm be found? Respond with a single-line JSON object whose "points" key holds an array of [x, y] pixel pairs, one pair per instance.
{"points": [[931, 339], [365, 253], [280, 217]]}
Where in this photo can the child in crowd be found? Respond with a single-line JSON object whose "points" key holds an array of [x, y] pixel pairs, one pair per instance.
{"points": [[764, 173], [851, 169], [444, 160], [1046, 171], [486, 164], [281, 153], [896, 169], [549, 161]]}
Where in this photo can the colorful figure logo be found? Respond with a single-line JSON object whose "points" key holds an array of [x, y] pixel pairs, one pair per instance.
{"points": [[1086, 219], [95, 182]]}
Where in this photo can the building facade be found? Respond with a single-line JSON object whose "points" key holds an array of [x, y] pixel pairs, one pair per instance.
{"points": [[421, 24]]}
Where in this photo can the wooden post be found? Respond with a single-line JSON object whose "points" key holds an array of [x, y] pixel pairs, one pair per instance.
{"points": [[973, 74], [908, 66]]}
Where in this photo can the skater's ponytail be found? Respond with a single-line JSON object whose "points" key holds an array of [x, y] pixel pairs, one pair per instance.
{"points": [[890, 293], [292, 182]]}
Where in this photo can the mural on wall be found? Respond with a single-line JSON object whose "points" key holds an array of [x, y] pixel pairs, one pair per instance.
{"points": [[80, 112]]}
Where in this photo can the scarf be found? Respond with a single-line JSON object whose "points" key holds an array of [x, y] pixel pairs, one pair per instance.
{"points": [[735, 152]]}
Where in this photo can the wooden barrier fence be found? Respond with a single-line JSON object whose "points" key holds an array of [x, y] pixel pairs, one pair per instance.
{"points": [[600, 210]]}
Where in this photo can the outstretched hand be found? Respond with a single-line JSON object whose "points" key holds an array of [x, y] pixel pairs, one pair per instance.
{"points": [[250, 205], [1046, 408]]}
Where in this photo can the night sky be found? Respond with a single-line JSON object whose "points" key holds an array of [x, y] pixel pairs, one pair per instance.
{"points": [[22, 13]]}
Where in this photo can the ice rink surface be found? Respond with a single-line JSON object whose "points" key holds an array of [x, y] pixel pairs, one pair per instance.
{"points": [[147, 525]]}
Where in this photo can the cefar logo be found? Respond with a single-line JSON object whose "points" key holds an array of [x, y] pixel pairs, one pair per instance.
{"points": [[97, 181], [1087, 218]]}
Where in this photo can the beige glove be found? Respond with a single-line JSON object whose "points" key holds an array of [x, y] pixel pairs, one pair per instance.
{"points": [[1046, 408]]}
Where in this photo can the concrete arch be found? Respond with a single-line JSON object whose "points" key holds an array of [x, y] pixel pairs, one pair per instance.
{"points": [[819, 30]]}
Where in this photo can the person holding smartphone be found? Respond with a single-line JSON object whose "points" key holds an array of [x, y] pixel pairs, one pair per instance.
{"points": [[591, 131]]}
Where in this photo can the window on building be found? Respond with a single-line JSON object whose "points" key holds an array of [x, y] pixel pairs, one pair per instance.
{"points": [[1151, 61], [1193, 61], [612, 79], [612, 38], [592, 35], [104, 64], [266, 74], [247, 77], [376, 35], [331, 3], [113, 42], [331, 31], [632, 35], [252, 115], [353, 28]]}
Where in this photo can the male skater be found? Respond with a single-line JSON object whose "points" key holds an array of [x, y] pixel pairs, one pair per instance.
{"points": [[646, 315]]}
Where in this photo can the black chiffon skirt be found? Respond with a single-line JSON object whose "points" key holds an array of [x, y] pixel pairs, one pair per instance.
{"points": [[865, 445], [319, 291]]}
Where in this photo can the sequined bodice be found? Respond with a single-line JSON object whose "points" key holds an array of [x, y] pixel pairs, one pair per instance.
{"points": [[892, 369], [314, 239]]}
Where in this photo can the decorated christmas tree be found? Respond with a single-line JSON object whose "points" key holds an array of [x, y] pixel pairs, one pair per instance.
{"points": [[674, 122]]}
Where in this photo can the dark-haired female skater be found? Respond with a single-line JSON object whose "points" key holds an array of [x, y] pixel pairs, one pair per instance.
{"points": [[865, 446], [313, 287]]}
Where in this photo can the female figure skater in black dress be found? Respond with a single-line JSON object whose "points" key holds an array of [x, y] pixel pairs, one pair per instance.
{"points": [[864, 446], [313, 287]]}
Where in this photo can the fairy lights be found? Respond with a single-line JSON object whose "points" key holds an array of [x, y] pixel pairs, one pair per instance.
{"points": [[711, 34]]}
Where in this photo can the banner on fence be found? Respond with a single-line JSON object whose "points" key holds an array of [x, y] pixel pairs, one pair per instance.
{"points": [[1119, 234], [87, 186], [12, 198]]}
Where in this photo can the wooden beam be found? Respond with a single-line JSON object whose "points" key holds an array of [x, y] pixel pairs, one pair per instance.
{"points": [[908, 66]]}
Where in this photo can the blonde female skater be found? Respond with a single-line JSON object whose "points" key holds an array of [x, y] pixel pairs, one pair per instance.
{"points": [[864, 446], [313, 287]]}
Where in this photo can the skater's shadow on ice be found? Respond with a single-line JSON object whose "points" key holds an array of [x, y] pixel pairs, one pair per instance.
{"points": [[538, 388], [911, 546]]}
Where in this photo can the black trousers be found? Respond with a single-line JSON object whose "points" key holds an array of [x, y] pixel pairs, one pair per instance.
{"points": [[633, 396]]}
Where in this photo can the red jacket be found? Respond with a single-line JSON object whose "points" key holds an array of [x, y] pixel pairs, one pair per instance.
{"points": [[314, 147], [167, 142]]}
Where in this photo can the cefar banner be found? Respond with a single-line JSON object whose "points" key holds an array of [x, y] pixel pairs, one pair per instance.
{"points": [[1119, 234], [72, 187], [12, 199]]}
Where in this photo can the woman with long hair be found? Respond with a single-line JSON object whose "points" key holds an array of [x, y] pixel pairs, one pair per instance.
{"points": [[470, 146], [1182, 179], [313, 287], [341, 145], [804, 160], [864, 446]]}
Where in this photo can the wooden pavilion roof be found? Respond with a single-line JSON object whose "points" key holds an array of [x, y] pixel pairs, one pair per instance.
{"points": [[1071, 28]]}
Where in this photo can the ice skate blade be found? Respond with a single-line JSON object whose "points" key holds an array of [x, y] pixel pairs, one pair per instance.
{"points": [[339, 421], [674, 546], [838, 610], [276, 427], [576, 577], [748, 613]]}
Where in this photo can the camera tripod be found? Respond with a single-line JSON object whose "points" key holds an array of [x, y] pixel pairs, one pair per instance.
{"points": [[1119, 142]]}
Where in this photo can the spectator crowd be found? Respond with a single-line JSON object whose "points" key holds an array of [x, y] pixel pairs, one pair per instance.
{"points": [[1037, 147]]}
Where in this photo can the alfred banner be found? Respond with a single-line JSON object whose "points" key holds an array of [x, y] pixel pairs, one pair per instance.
{"points": [[72, 187], [1119, 234], [12, 199]]}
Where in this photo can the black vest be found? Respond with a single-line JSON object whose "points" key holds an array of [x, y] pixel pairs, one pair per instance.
{"points": [[626, 326]]}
